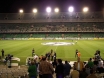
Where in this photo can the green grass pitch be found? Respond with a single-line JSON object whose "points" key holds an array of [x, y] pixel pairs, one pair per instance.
{"points": [[23, 48]]}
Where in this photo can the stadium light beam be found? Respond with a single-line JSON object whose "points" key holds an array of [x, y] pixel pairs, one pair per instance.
{"points": [[71, 9], [85, 9], [21, 10], [56, 10], [48, 9], [34, 10]]}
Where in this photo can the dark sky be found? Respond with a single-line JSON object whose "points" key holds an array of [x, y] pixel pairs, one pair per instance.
{"points": [[13, 6]]}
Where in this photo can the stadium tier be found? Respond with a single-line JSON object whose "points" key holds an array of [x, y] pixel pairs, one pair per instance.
{"points": [[53, 25], [51, 35]]}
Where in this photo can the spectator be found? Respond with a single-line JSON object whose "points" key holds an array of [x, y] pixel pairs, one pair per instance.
{"points": [[79, 65], [59, 69], [95, 65], [5, 60], [98, 52], [54, 55], [9, 63], [49, 54], [90, 63], [46, 55], [74, 73], [33, 52], [40, 57], [35, 56], [95, 62], [87, 70], [67, 68], [32, 70], [54, 63], [83, 73], [79, 54], [92, 75], [45, 68], [100, 66], [76, 53], [2, 51], [29, 61]]}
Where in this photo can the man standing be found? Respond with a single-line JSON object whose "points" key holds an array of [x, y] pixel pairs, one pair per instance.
{"points": [[59, 69], [45, 68], [98, 52], [32, 70], [74, 73], [79, 54], [76, 53], [92, 74], [67, 68], [2, 51], [54, 55], [79, 65], [33, 52]]}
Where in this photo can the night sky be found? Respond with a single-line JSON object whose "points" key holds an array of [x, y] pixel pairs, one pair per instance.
{"points": [[13, 6]]}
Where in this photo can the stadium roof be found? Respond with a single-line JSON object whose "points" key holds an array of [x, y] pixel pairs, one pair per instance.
{"points": [[13, 6]]}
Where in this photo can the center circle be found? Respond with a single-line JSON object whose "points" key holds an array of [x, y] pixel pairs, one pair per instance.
{"points": [[58, 43]]}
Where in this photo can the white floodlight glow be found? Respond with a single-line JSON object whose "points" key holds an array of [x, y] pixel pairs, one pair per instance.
{"points": [[71, 9], [21, 10], [34, 10], [85, 9], [56, 10], [48, 9]]}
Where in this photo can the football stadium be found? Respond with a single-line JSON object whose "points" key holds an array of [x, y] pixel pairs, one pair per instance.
{"points": [[55, 35]]}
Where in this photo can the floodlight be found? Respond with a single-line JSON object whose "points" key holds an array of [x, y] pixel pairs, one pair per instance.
{"points": [[71, 9], [21, 10], [34, 10], [48, 9], [85, 9], [56, 10]]}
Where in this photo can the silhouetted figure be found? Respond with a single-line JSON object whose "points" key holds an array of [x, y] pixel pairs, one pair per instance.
{"points": [[49, 54], [2, 51], [59, 69], [92, 74], [54, 56], [67, 68], [98, 52], [76, 53], [33, 52]]}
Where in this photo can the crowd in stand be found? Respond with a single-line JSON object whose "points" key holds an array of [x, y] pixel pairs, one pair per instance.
{"points": [[57, 27], [45, 69]]}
